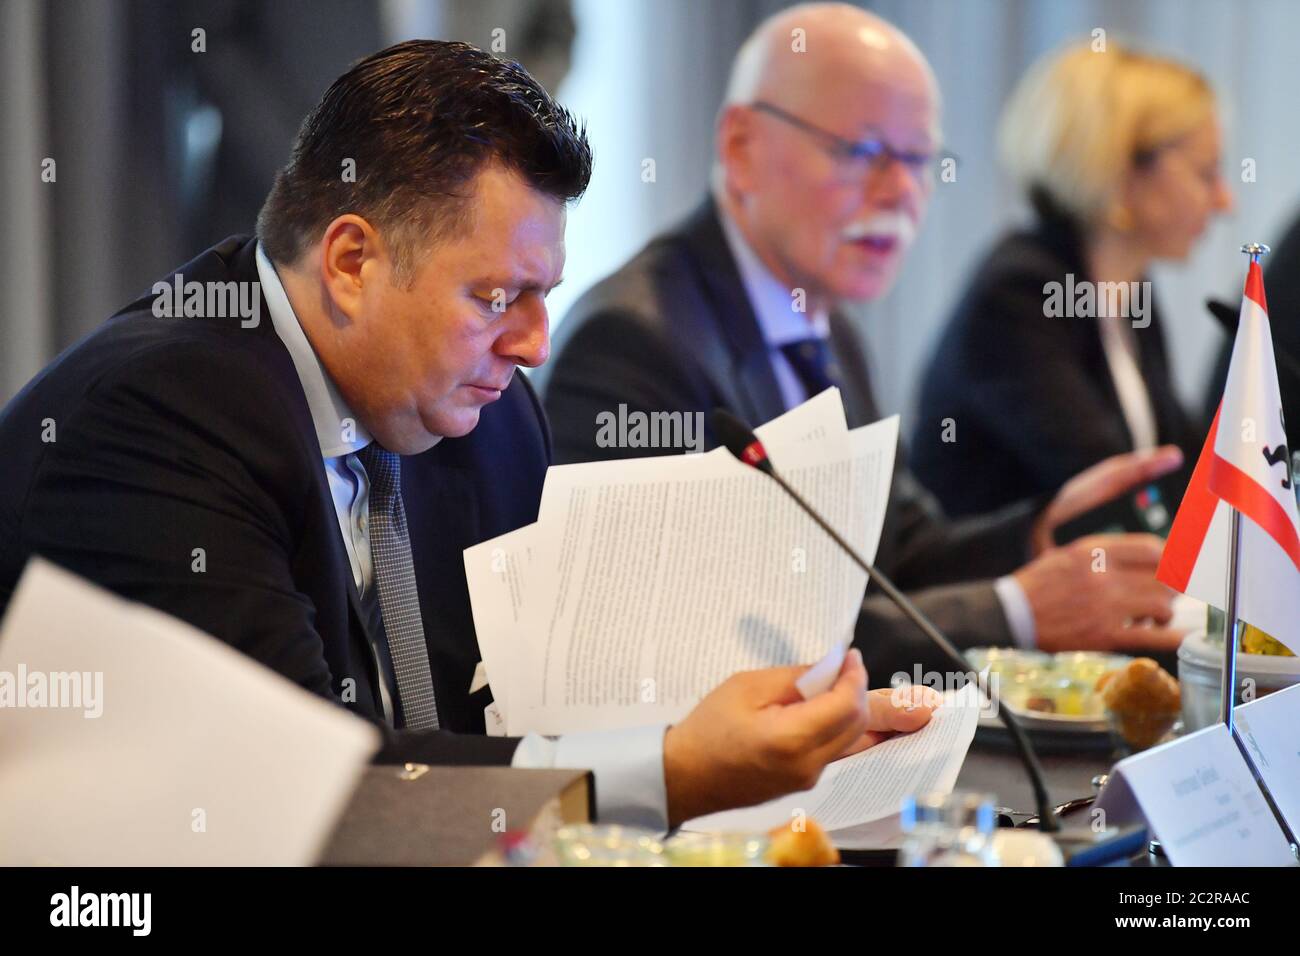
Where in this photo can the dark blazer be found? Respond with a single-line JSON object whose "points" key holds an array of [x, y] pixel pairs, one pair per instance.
{"points": [[180, 433], [673, 330], [1030, 396]]}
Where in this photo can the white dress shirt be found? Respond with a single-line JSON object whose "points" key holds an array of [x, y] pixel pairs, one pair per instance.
{"points": [[628, 764], [780, 325], [1119, 343]]}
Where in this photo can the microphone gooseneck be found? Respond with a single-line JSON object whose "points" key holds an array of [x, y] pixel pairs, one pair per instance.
{"points": [[739, 439]]}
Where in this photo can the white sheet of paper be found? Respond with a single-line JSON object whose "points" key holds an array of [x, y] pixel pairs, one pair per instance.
{"points": [[497, 572], [480, 678], [821, 418], [1199, 798], [199, 756], [494, 723], [871, 785], [821, 676], [1267, 727], [656, 579], [513, 605]]}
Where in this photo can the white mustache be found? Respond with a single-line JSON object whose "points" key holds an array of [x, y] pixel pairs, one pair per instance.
{"points": [[883, 225]]}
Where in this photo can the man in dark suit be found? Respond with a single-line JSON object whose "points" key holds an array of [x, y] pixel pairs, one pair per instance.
{"points": [[824, 165], [291, 440]]}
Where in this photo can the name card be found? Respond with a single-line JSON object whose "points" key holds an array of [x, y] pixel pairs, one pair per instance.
{"points": [[1267, 728], [1201, 801]]}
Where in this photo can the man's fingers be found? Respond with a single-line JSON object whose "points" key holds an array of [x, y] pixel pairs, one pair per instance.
{"points": [[778, 683], [895, 710], [854, 666], [850, 740], [774, 685], [1133, 551], [902, 709], [866, 741], [831, 721], [1138, 595], [1146, 637], [846, 694]]}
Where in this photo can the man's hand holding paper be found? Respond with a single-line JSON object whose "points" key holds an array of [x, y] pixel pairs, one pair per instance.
{"points": [[650, 591], [709, 757]]}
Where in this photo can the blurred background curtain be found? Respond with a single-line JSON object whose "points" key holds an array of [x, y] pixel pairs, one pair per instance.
{"points": [[161, 150]]}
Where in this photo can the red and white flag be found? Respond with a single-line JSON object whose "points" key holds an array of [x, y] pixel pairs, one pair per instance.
{"points": [[1246, 465]]}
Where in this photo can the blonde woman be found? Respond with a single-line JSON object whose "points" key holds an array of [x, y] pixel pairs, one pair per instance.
{"points": [[1055, 356]]}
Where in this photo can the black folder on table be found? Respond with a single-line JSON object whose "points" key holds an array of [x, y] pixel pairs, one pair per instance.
{"points": [[419, 815]]}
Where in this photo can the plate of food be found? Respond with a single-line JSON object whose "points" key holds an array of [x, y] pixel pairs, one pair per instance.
{"points": [[1049, 692]]}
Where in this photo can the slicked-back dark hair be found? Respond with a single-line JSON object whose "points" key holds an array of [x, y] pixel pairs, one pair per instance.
{"points": [[419, 120]]}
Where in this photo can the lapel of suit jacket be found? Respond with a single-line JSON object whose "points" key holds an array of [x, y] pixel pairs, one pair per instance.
{"points": [[752, 370], [240, 257], [1153, 360], [1062, 238]]}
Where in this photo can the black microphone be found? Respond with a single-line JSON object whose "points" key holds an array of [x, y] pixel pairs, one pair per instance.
{"points": [[740, 440]]}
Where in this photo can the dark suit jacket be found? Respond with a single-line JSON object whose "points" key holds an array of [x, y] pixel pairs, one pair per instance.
{"points": [[1031, 397], [673, 330], [180, 433]]}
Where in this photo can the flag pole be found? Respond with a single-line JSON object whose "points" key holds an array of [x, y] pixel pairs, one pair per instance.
{"points": [[1231, 637], [1232, 626], [1231, 623]]}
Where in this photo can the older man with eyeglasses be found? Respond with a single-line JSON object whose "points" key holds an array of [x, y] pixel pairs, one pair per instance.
{"points": [[827, 148]]}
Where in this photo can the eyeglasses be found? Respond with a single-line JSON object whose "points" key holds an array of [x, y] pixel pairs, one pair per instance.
{"points": [[865, 155]]}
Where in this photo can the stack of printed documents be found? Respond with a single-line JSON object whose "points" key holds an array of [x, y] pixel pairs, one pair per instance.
{"points": [[647, 582]]}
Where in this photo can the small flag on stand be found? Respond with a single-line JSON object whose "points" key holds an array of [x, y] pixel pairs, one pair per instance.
{"points": [[1245, 464]]}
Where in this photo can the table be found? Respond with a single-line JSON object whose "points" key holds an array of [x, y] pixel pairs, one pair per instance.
{"points": [[993, 766]]}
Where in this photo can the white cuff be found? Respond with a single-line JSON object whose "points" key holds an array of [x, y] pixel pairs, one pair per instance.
{"points": [[1019, 615], [628, 765]]}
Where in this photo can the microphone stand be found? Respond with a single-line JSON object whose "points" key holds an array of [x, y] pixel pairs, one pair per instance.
{"points": [[1047, 821], [1080, 847]]}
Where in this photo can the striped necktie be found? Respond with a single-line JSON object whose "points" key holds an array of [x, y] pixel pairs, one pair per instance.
{"points": [[399, 602]]}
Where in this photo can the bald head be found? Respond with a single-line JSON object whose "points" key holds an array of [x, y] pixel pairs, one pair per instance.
{"points": [[824, 141], [799, 55]]}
